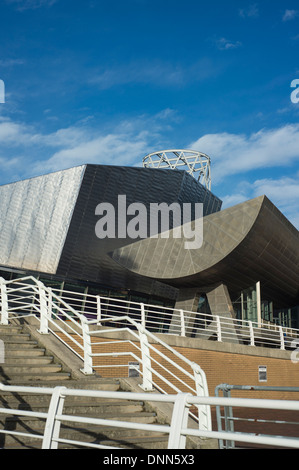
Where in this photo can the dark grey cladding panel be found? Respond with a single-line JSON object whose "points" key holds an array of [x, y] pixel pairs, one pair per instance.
{"points": [[85, 256], [192, 190]]}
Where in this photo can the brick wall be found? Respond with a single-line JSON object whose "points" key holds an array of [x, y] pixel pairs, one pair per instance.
{"points": [[221, 362]]}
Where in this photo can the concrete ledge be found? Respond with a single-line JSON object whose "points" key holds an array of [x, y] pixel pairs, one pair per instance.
{"points": [[218, 346], [208, 345]]}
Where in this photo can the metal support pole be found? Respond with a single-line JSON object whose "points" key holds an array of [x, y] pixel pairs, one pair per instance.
{"points": [[219, 335], [2, 352], [99, 310], [204, 411], [43, 309], [251, 332], [258, 304], [282, 342], [142, 315], [147, 383], [183, 327], [87, 369], [52, 427], [4, 302], [179, 421]]}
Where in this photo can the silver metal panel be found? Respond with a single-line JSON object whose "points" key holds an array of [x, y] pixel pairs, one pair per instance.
{"points": [[34, 219]]}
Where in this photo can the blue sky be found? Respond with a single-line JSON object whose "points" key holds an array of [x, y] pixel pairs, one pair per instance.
{"points": [[111, 81]]}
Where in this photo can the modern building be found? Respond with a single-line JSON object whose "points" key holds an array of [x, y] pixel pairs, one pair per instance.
{"points": [[246, 266]]}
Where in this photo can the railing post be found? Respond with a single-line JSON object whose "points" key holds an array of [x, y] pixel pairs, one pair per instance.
{"points": [[251, 332], [147, 383], [4, 302], [218, 323], [87, 369], [2, 352], [282, 342], [142, 315], [50, 302], [183, 326], [201, 386], [99, 310], [43, 309], [179, 421], [52, 427]]}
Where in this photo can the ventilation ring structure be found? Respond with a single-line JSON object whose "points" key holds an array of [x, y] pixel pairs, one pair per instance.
{"points": [[195, 163]]}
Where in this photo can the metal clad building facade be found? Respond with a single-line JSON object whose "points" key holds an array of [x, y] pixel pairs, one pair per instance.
{"points": [[48, 222], [34, 218], [47, 228]]}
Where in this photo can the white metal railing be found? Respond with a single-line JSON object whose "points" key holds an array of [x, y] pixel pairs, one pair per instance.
{"points": [[178, 430], [230, 420], [168, 371], [29, 297], [158, 319]]}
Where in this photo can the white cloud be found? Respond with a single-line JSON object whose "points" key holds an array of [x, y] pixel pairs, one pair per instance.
{"points": [[22, 5], [238, 153], [290, 15], [111, 149], [224, 44], [26, 152], [251, 12], [11, 62], [155, 73], [283, 192]]}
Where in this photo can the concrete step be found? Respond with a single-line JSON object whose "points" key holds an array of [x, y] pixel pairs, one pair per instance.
{"points": [[73, 404], [12, 337], [149, 441], [10, 329], [26, 399], [19, 343], [19, 423], [17, 352], [25, 361], [34, 369], [99, 383], [25, 378]]}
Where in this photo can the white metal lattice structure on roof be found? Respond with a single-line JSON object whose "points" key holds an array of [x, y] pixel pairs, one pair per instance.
{"points": [[190, 160]]}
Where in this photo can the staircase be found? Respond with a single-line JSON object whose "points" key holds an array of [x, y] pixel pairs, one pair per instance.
{"points": [[28, 364]]}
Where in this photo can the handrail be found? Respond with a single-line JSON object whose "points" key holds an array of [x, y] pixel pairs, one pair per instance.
{"points": [[182, 323], [178, 430], [152, 366], [229, 419], [177, 322], [47, 306]]}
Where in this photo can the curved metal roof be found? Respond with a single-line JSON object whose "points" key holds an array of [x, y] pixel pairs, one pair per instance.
{"points": [[243, 244]]}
